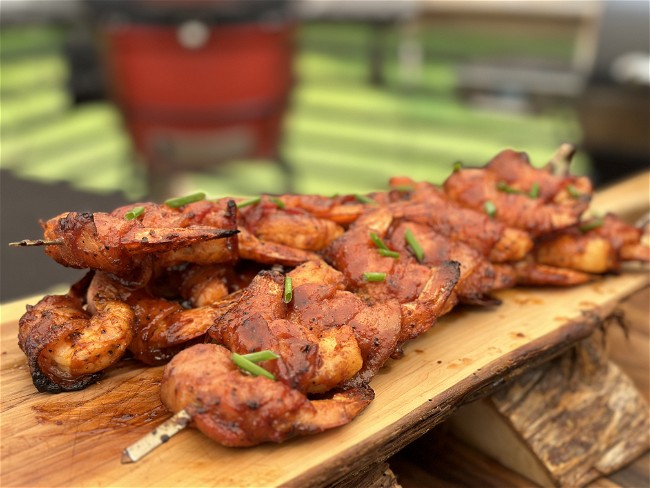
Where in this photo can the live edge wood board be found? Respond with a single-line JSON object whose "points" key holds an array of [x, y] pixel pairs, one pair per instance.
{"points": [[76, 439]]}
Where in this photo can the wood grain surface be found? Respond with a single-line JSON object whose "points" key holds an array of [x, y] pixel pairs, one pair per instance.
{"points": [[76, 438]]}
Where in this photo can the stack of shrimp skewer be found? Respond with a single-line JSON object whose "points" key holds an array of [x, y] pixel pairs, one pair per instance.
{"points": [[318, 293]]}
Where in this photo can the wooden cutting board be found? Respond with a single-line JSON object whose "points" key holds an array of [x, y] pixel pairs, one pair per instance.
{"points": [[76, 439]]}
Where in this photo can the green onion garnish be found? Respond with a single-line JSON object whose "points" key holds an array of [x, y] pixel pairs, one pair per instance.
{"points": [[377, 240], [382, 248], [534, 190], [388, 253], [279, 203], [403, 188], [364, 198], [256, 357], [134, 213], [373, 276], [591, 225], [250, 201], [504, 187], [288, 290], [573, 191], [415, 245], [250, 367], [458, 165], [490, 208], [180, 201]]}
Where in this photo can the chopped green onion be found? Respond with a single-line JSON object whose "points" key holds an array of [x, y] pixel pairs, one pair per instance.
{"points": [[403, 188], [490, 208], [277, 201], [534, 190], [504, 187], [382, 248], [458, 165], [134, 213], [288, 289], [364, 198], [374, 276], [415, 245], [256, 357], [591, 224], [377, 240], [573, 191], [255, 200], [250, 367], [388, 253], [250, 201], [180, 201]]}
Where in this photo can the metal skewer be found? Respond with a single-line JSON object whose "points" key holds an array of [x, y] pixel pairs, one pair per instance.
{"points": [[156, 437]]}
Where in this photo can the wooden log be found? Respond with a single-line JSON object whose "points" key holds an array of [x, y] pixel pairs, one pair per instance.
{"points": [[377, 475], [565, 423]]}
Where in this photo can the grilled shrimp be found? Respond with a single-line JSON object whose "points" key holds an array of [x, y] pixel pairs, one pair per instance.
{"points": [[342, 209], [291, 227], [254, 249], [531, 273], [597, 245], [196, 286], [235, 409], [272, 234], [509, 189], [314, 359], [423, 292], [321, 303], [205, 214], [494, 240], [68, 347], [122, 247], [478, 277], [160, 327]]}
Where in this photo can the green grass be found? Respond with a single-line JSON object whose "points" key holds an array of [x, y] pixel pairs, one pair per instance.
{"points": [[341, 135]]}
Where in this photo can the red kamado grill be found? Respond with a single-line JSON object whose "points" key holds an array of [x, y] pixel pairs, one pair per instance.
{"points": [[199, 82]]}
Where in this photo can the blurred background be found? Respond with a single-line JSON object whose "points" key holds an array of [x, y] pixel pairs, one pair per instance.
{"points": [[105, 102]]}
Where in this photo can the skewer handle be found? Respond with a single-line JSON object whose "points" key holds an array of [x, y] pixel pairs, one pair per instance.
{"points": [[156, 437]]}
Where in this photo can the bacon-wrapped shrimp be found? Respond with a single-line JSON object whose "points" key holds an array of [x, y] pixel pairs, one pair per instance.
{"points": [[342, 209], [531, 273], [321, 303], [219, 215], [493, 239], [478, 277], [160, 327], [196, 286], [239, 410], [424, 293], [67, 347], [512, 191], [125, 247], [291, 227], [313, 358], [597, 245], [272, 233]]}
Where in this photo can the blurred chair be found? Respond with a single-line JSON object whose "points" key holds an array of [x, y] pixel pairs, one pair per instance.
{"points": [[198, 82]]}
